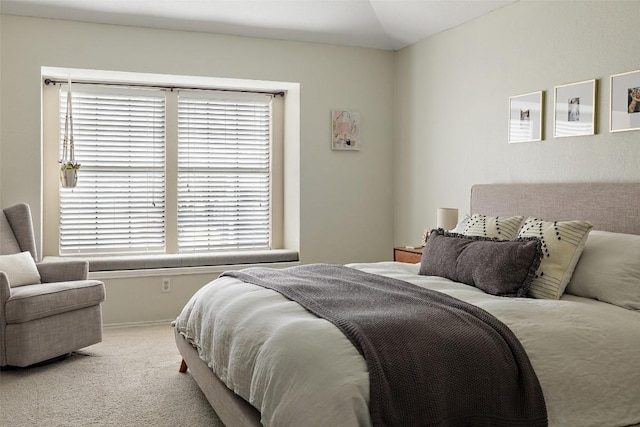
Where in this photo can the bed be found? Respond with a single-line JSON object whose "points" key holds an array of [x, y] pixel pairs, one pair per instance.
{"points": [[584, 348]]}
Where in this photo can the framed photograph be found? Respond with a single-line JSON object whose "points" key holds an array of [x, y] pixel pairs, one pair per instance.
{"points": [[525, 117], [625, 102], [575, 109], [345, 130]]}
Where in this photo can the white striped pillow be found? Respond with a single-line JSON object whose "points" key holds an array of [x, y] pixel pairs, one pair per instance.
{"points": [[562, 245], [499, 227]]}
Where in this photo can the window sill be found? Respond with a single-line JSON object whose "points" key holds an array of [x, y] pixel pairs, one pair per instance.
{"points": [[143, 265]]}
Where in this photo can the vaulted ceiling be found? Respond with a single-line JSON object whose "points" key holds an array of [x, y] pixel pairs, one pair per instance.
{"points": [[381, 24]]}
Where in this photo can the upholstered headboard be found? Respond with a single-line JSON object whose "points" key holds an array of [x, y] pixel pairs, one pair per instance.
{"points": [[608, 206]]}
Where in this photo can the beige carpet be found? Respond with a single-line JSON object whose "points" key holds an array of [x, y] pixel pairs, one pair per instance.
{"points": [[130, 379]]}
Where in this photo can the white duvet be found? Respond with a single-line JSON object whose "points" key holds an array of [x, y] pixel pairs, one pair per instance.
{"points": [[299, 370]]}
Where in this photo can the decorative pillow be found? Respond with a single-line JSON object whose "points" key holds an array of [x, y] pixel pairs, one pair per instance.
{"points": [[609, 269], [499, 227], [20, 269], [461, 225], [562, 245], [498, 267]]}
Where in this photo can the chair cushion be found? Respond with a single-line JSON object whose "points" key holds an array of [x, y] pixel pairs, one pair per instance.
{"points": [[47, 299]]}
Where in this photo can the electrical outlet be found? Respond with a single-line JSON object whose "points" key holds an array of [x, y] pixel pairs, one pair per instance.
{"points": [[166, 284]]}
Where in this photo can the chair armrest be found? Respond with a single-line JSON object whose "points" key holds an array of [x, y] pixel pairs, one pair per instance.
{"points": [[5, 291], [63, 271]]}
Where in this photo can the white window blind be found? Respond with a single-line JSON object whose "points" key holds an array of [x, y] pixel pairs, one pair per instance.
{"points": [[118, 204], [223, 171]]}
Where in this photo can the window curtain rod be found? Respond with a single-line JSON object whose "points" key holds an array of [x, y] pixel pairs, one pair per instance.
{"points": [[49, 81]]}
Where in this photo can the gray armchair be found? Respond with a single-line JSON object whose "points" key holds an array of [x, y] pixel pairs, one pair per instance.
{"points": [[48, 319]]}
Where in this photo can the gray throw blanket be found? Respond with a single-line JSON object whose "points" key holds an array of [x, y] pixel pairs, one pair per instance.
{"points": [[433, 360]]}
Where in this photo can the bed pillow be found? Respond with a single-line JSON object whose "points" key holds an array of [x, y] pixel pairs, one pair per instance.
{"points": [[562, 245], [609, 269], [20, 269], [499, 227], [498, 267]]}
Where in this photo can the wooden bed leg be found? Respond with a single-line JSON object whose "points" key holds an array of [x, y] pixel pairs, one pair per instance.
{"points": [[183, 367]]}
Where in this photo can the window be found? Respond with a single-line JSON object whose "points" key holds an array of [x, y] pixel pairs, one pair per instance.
{"points": [[223, 172], [145, 188], [119, 202]]}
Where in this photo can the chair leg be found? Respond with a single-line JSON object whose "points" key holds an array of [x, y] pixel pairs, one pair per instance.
{"points": [[183, 367]]}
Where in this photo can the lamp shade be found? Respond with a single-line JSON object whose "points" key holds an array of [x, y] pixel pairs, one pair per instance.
{"points": [[447, 218]]}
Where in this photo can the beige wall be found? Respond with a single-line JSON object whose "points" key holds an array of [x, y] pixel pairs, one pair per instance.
{"points": [[344, 199], [446, 130], [452, 95]]}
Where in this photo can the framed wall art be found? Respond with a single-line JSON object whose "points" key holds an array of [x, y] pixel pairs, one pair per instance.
{"points": [[525, 117], [624, 112], [575, 109], [345, 130]]}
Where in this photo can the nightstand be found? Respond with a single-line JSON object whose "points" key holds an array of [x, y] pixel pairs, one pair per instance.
{"points": [[410, 255]]}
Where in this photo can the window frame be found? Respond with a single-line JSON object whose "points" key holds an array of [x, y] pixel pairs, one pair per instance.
{"points": [[51, 209], [193, 101], [97, 100]]}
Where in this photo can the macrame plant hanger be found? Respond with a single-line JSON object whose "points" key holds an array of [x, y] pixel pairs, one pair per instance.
{"points": [[68, 166]]}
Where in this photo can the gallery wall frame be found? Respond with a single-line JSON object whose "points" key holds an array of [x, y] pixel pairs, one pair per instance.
{"points": [[525, 117], [624, 107], [345, 130], [575, 109]]}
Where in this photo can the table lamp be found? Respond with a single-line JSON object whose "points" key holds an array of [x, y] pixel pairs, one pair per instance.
{"points": [[447, 218]]}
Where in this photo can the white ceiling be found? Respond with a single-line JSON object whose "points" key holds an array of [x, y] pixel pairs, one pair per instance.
{"points": [[382, 24]]}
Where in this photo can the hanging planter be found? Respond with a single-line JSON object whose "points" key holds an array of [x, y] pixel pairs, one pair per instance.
{"points": [[68, 165], [69, 176]]}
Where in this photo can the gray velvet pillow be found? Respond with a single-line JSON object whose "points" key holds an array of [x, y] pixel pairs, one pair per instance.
{"points": [[498, 267]]}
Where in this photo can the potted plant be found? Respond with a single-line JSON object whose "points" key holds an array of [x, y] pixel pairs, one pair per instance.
{"points": [[69, 174]]}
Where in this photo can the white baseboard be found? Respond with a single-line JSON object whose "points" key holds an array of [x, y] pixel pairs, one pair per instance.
{"points": [[132, 324]]}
